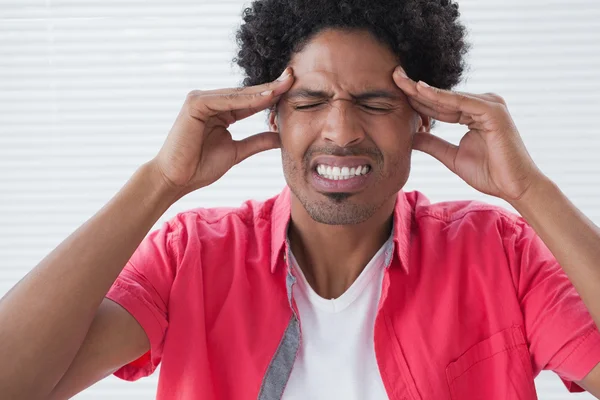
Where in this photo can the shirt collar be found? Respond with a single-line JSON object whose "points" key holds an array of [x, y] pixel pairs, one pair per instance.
{"points": [[280, 218]]}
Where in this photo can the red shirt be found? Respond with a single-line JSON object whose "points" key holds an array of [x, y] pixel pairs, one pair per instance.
{"points": [[473, 305]]}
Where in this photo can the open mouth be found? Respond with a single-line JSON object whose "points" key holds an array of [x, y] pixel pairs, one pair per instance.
{"points": [[337, 173], [346, 174]]}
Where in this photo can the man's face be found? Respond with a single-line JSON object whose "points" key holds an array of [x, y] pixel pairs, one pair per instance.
{"points": [[346, 128]]}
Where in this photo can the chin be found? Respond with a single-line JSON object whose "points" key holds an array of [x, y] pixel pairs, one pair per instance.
{"points": [[336, 208], [338, 197]]}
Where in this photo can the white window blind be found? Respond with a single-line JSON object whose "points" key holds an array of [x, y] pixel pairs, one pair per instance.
{"points": [[89, 89]]}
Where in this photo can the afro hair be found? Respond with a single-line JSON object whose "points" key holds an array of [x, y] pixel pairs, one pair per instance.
{"points": [[425, 35]]}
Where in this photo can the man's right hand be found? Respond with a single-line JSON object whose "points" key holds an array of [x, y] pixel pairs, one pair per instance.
{"points": [[57, 328], [199, 149]]}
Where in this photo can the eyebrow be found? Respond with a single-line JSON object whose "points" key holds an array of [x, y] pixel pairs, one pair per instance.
{"points": [[320, 94]]}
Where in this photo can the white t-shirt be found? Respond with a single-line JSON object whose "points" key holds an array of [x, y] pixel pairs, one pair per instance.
{"points": [[336, 359]]}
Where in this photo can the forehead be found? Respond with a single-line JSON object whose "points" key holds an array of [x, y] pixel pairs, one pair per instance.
{"points": [[344, 60]]}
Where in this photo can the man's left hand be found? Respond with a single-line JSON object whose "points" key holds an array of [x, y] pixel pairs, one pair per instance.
{"points": [[491, 156]]}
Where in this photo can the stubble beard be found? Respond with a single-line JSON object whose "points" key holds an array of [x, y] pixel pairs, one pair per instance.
{"points": [[335, 208]]}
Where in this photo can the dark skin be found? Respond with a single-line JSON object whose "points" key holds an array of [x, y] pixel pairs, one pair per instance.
{"points": [[343, 102], [491, 157], [61, 333]]}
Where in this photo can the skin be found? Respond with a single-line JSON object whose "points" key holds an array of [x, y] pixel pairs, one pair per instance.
{"points": [[60, 332], [57, 328], [491, 157], [356, 110]]}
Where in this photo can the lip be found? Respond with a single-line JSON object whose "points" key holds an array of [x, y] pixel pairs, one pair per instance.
{"points": [[351, 185]]}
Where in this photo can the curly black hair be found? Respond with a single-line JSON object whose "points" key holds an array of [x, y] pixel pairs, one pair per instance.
{"points": [[426, 35]]}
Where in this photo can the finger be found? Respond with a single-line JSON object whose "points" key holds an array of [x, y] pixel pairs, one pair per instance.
{"points": [[205, 106], [491, 97], [477, 126], [456, 101], [409, 87], [232, 116], [443, 151], [253, 98], [245, 113], [255, 144], [279, 86], [444, 116]]}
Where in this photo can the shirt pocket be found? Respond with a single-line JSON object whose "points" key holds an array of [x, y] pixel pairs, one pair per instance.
{"points": [[498, 367]]}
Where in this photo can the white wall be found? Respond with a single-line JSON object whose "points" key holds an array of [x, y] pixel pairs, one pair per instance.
{"points": [[89, 89]]}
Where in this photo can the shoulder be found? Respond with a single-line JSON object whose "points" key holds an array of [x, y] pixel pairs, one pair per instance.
{"points": [[251, 221], [462, 216], [247, 213]]}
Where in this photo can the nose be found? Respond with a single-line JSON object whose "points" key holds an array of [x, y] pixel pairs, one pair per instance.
{"points": [[341, 126]]}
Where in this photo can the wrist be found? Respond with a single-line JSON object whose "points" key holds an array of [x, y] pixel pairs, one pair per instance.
{"points": [[162, 190], [537, 194]]}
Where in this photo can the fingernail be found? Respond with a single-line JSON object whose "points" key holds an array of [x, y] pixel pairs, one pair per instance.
{"points": [[400, 72], [284, 75], [266, 93], [423, 84]]}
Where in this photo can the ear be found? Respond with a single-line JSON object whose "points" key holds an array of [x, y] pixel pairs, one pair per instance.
{"points": [[273, 120], [424, 123]]}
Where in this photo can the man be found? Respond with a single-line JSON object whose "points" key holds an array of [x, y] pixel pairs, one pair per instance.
{"points": [[343, 286]]}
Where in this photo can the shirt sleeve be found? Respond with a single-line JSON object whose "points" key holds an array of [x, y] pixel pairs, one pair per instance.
{"points": [[561, 334], [143, 289]]}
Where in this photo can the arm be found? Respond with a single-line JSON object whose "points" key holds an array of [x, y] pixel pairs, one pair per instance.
{"points": [[53, 328], [46, 316], [575, 243], [114, 339], [492, 158]]}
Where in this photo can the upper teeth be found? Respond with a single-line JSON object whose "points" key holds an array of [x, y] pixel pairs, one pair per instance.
{"points": [[337, 173]]}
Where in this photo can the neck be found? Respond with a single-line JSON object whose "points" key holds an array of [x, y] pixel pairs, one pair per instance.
{"points": [[333, 256]]}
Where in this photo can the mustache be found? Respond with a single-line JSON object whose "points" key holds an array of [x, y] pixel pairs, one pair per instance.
{"points": [[343, 152]]}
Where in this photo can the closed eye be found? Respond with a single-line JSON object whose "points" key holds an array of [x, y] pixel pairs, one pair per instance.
{"points": [[366, 107], [307, 106], [371, 108]]}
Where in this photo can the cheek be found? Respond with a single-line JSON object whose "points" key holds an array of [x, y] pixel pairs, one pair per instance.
{"points": [[393, 136], [297, 132]]}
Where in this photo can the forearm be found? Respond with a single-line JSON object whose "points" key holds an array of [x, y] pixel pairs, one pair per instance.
{"points": [[45, 317], [571, 237]]}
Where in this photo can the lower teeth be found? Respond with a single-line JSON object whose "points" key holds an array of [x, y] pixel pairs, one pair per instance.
{"points": [[331, 177]]}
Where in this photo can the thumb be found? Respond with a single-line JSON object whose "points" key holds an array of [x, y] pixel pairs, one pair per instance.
{"points": [[255, 144], [443, 151]]}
